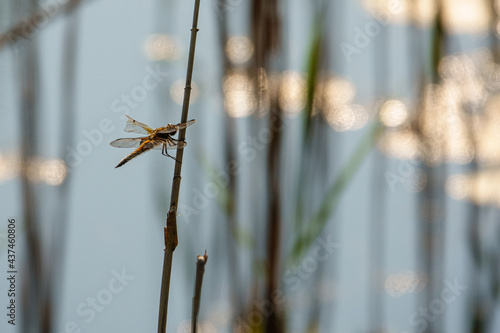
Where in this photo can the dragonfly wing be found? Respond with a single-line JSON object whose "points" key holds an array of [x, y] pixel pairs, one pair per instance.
{"points": [[174, 128], [137, 127], [127, 143], [144, 147], [168, 129], [186, 124]]}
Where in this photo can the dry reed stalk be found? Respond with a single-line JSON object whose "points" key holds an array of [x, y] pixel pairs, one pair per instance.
{"points": [[200, 270], [170, 231], [57, 248]]}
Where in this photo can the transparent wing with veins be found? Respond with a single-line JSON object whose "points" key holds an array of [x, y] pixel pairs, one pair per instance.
{"points": [[158, 144], [127, 143], [137, 127], [174, 128]]}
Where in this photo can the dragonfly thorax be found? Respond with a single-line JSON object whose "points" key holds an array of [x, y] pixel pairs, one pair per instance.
{"points": [[165, 135]]}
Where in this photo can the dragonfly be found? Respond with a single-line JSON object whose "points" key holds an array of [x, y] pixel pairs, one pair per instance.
{"points": [[159, 138]]}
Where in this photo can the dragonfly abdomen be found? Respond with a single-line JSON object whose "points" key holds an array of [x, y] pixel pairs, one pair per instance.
{"points": [[143, 148]]}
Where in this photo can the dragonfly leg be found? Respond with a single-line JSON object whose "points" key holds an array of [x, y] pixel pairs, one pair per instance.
{"points": [[165, 153], [175, 140]]}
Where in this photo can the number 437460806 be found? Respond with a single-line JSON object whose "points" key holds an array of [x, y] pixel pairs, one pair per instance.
{"points": [[11, 254]]}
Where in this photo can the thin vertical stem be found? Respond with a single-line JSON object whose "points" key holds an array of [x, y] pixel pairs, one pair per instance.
{"points": [[433, 198], [200, 270], [29, 79], [171, 228], [379, 194], [230, 140], [58, 245], [274, 321]]}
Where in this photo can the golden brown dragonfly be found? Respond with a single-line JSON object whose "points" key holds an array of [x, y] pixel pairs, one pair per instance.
{"points": [[160, 138]]}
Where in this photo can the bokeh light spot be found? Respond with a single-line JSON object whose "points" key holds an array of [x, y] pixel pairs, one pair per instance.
{"points": [[239, 96], [292, 92], [239, 49], [161, 47], [393, 113]]}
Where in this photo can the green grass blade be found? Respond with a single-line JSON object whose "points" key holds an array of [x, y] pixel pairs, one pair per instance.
{"points": [[330, 202], [225, 201]]}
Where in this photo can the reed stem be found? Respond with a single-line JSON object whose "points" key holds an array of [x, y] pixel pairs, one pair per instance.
{"points": [[200, 270], [170, 231]]}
